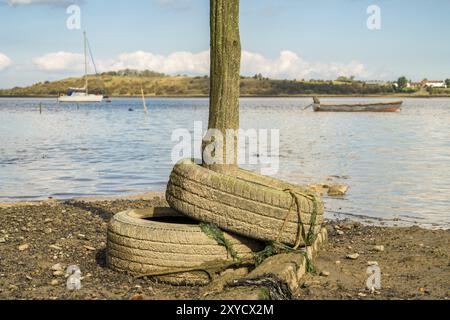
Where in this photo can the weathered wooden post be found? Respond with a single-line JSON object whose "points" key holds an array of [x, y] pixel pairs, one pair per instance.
{"points": [[217, 192], [225, 78]]}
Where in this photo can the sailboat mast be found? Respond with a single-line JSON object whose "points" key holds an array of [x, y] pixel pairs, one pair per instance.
{"points": [[85, 64]]}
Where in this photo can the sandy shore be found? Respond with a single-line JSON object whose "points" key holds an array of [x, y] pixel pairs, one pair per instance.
{"points": [[34, 237]]}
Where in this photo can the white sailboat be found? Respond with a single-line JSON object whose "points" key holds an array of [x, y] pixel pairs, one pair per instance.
{"points": [[81, 95]]}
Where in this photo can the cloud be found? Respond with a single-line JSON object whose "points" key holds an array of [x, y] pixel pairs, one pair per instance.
{"points": [[5, 62], [178, 62], [288, 65], [60, 61], [15, 3]]}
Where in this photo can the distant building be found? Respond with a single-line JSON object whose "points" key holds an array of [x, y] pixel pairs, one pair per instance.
{"points": [[433, 83], [414, 84]]}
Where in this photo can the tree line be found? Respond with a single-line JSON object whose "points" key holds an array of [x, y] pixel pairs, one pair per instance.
{"points": [[129, 82]]}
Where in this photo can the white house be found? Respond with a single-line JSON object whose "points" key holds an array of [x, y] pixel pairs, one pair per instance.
{"points": [[434, 83], [413, 84]]}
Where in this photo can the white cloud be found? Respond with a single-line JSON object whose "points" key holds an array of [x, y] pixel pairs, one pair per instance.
{"points": [[5, 62], [60, 61], [288, 65], [39, 2], [178, 62]]}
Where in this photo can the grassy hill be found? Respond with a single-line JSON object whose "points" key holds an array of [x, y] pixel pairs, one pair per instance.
{"points": [[119, 84], [129, 82]]}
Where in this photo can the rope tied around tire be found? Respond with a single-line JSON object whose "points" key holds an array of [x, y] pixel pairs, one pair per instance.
{"points": [[309, 238]]}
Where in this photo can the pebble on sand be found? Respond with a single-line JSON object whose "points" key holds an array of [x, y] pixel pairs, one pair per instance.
{"points": [[24, 247], [325, 274], [59, 273], [58, 267], [379, 248], [354, 256]]}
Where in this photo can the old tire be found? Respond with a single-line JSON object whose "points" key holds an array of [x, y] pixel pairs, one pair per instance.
{"points": [[139, 246], [247, 204]]}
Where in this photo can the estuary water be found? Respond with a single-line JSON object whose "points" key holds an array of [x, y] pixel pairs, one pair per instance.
{"points": [[397, 165]]}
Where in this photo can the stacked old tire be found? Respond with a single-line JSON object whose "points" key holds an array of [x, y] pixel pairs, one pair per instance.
{"points": [[160, 242], [252, 210]]}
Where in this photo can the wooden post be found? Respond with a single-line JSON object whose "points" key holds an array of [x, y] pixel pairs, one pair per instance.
{"points": [[143, 101], [225, 76]]}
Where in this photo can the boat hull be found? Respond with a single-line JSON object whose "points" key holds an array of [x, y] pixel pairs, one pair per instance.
{"points": [[91, 98], [373, 107]]}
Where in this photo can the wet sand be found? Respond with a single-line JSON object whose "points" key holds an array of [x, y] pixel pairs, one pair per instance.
{"points": [[34, 237]]}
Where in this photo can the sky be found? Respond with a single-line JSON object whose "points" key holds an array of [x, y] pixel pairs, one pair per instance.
{"points": [[285, 39]]}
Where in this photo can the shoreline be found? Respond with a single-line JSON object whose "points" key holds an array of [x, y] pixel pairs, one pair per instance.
{"points": [[389, 96], [159, 195], [126, 197], [414, 261]]}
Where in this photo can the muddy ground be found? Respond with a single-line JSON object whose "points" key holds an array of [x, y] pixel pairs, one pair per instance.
{"points": [[415, 263]]}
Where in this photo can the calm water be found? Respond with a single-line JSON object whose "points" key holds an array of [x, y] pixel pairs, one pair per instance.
{"points": [[398, 165]]}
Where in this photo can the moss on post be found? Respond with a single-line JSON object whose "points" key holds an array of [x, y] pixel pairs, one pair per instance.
{"points": [[225, 77]]}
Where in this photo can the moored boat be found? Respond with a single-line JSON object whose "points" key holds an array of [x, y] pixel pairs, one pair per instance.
{"points": [[393, 106], [82, 95]]}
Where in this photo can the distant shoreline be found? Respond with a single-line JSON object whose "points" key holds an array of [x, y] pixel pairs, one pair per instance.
{"points": [[389, 96], [130, 83]]}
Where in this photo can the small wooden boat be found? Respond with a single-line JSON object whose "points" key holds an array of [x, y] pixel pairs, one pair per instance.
{"points": [[358, 107]]}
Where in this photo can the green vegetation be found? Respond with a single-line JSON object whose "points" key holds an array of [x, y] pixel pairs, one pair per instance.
{"points": [[409, 90], [447, 83], [438, 91], [402, 83], [129, 82], [213, 232], [346, 79]]}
